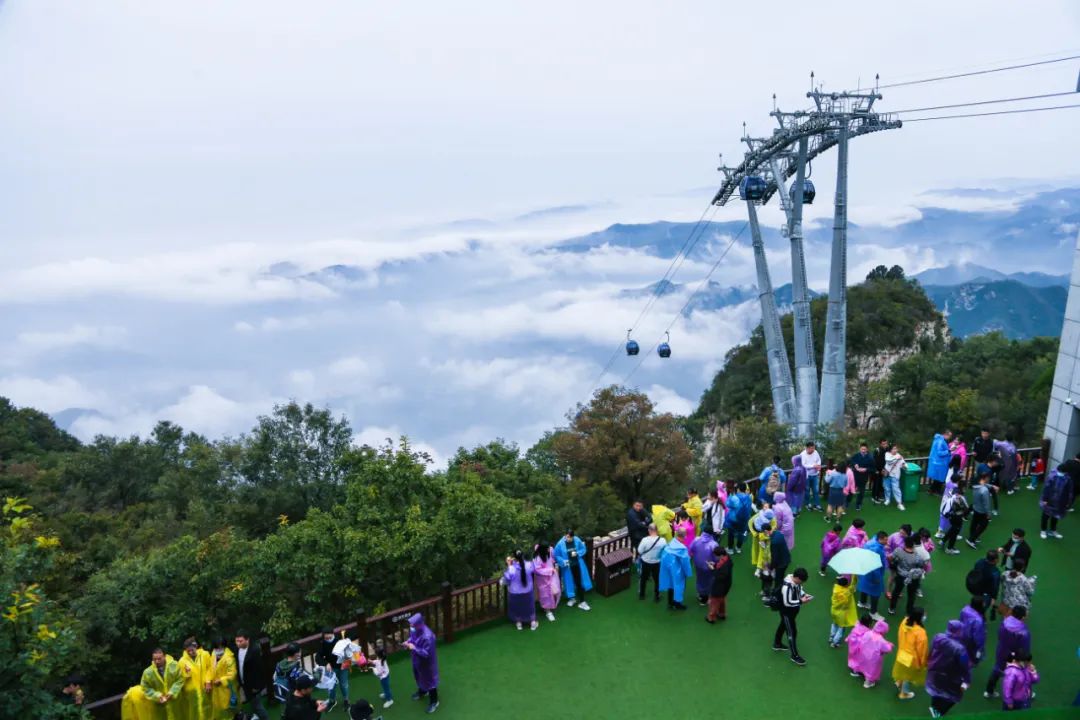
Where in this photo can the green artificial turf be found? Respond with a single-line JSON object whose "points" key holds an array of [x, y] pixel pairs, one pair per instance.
{"points": [[628, 658]]}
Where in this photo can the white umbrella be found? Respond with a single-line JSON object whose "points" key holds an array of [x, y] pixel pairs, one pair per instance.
{"points": [[855, 561]]}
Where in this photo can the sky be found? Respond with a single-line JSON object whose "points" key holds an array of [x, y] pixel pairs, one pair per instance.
{"points": [[177, 175]]}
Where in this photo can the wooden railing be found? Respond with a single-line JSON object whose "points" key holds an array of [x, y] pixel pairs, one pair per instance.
{"points": [[454, 610]]}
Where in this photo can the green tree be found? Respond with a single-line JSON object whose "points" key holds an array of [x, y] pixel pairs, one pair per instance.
{"points": [[748, 445], [37, 641], [619, 439]]}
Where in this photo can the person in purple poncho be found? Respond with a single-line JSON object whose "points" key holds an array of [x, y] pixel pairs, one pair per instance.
{"points": [[1013, 637], [795, 490], [785, 518], [974, 629], [518, 579], [1020, 675], [425, 663], [701, 554], [830, 545], [948, 673]]}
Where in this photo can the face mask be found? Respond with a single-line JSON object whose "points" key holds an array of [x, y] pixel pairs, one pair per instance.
{"points": [[1016, 539], [219, 652]]}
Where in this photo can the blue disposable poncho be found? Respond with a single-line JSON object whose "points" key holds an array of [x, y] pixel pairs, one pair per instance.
{"points": [[873, 583], [937, 465], [425, 663], [674, 568], [564, 556]]}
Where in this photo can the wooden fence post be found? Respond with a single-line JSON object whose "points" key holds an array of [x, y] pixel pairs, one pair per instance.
{"points": [[268, 668], [361, 629], [448, 613], [1044, 453], [590, 557]]}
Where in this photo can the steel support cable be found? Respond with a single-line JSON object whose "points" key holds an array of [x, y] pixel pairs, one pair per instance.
{"points": [[973, 73], [687, 247], [690, 299], [999, 112], [985, 102], [973, 66]]}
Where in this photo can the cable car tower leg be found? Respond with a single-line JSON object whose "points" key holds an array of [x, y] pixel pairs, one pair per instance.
{"points": [[833, 365], [806, 380], [783, 390]]}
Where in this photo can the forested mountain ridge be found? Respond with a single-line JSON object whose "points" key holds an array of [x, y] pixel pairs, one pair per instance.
{"points": [[907, 377]]}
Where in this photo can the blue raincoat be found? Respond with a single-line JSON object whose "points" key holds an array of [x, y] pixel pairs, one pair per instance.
{"points": [[873, 583], [563, 558], [674, 568], [937, 465]]}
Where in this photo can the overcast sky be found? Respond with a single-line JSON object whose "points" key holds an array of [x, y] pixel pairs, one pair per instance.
{"points": [[172, 151]]}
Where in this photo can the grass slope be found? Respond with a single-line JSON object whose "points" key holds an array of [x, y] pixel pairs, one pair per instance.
{"points": [[635, 659]]}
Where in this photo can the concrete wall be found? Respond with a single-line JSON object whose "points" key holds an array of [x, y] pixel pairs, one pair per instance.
{"points": [[1063, 415]]}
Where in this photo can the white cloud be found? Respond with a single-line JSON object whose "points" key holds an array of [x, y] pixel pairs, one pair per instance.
{"points": [[53, 395], [105, 336], [552, 382], [377, 436], [667, 400]]}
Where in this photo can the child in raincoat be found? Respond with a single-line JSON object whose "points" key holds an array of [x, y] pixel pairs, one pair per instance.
{"points": [[854, 638], [663, 517], [870, 652], [830, 545], [843, 610], [760, 551], [683, 522], [912, 654], [694, 507]]}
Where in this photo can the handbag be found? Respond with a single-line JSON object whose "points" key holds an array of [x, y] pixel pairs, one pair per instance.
{"points": [[905, 658]]}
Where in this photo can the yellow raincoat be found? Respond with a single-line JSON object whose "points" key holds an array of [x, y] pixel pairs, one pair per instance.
{"points": [[911, 647], [662, 517], [843, 609], [760, 551], [155, 685], [223, 678], [136, 706], [693, 508], [194, 700]]}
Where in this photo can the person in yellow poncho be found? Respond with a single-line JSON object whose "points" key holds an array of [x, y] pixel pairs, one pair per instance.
{"points": [[760, 552], [912, 654], [161, 685], [222, 681], [195, 667], [663, 517], [694, 508], [136, 706], [843, 612]]}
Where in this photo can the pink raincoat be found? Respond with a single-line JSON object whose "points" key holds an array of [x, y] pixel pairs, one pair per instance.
{"points": [[854, 538], [688, 526], [928, 546], [867, 655], [853, 639], [546, 579]]}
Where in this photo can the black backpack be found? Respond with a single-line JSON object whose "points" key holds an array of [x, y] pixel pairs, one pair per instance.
{"points": [[974, 582], [774, 600]]}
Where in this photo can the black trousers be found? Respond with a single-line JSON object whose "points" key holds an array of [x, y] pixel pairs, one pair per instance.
{"points": [[872, 601], [789, 627], [649, 570], [575, 572], [734, 536], [979, 523], [877, 487], [941, 704], [860, 487], [899, 587], [994, 497], [955, 525], [1048, 523]]}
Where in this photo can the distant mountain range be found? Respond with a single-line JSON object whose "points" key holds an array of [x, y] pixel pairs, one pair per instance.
{"points": [[961, 273], [1011, 307], [714, 295]]}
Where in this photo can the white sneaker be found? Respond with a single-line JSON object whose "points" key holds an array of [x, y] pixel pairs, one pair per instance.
{"points": [[1043, 534], [939, 536], [878, 617], [518, 625], [388, 703], [382, 696], [867, 684], [899, 506], [550, 616], [571, 602], [533, 625], [1055, 534], [585, 606]]}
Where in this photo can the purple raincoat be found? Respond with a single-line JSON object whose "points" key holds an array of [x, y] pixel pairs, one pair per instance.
{"points": [[785, 519], [1013, 635], [425, 663], [1057, 494], [895, 542], [701, 554], [974, 634], [546, 579], [796, 484], [1009, 469], [854, 538], [830, 545], [1016, 688], [949, 667]]}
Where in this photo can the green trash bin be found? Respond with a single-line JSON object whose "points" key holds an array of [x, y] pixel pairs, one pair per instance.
{"points": [[909, 482]]}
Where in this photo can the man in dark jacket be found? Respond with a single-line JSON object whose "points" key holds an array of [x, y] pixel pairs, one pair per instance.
{"points": [[721, 585], [877, 480], [637, 524], [781, 558], [1016, 548], [300, 705], [863, 466], [331, 663], [983, 447], [251, 673]]}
